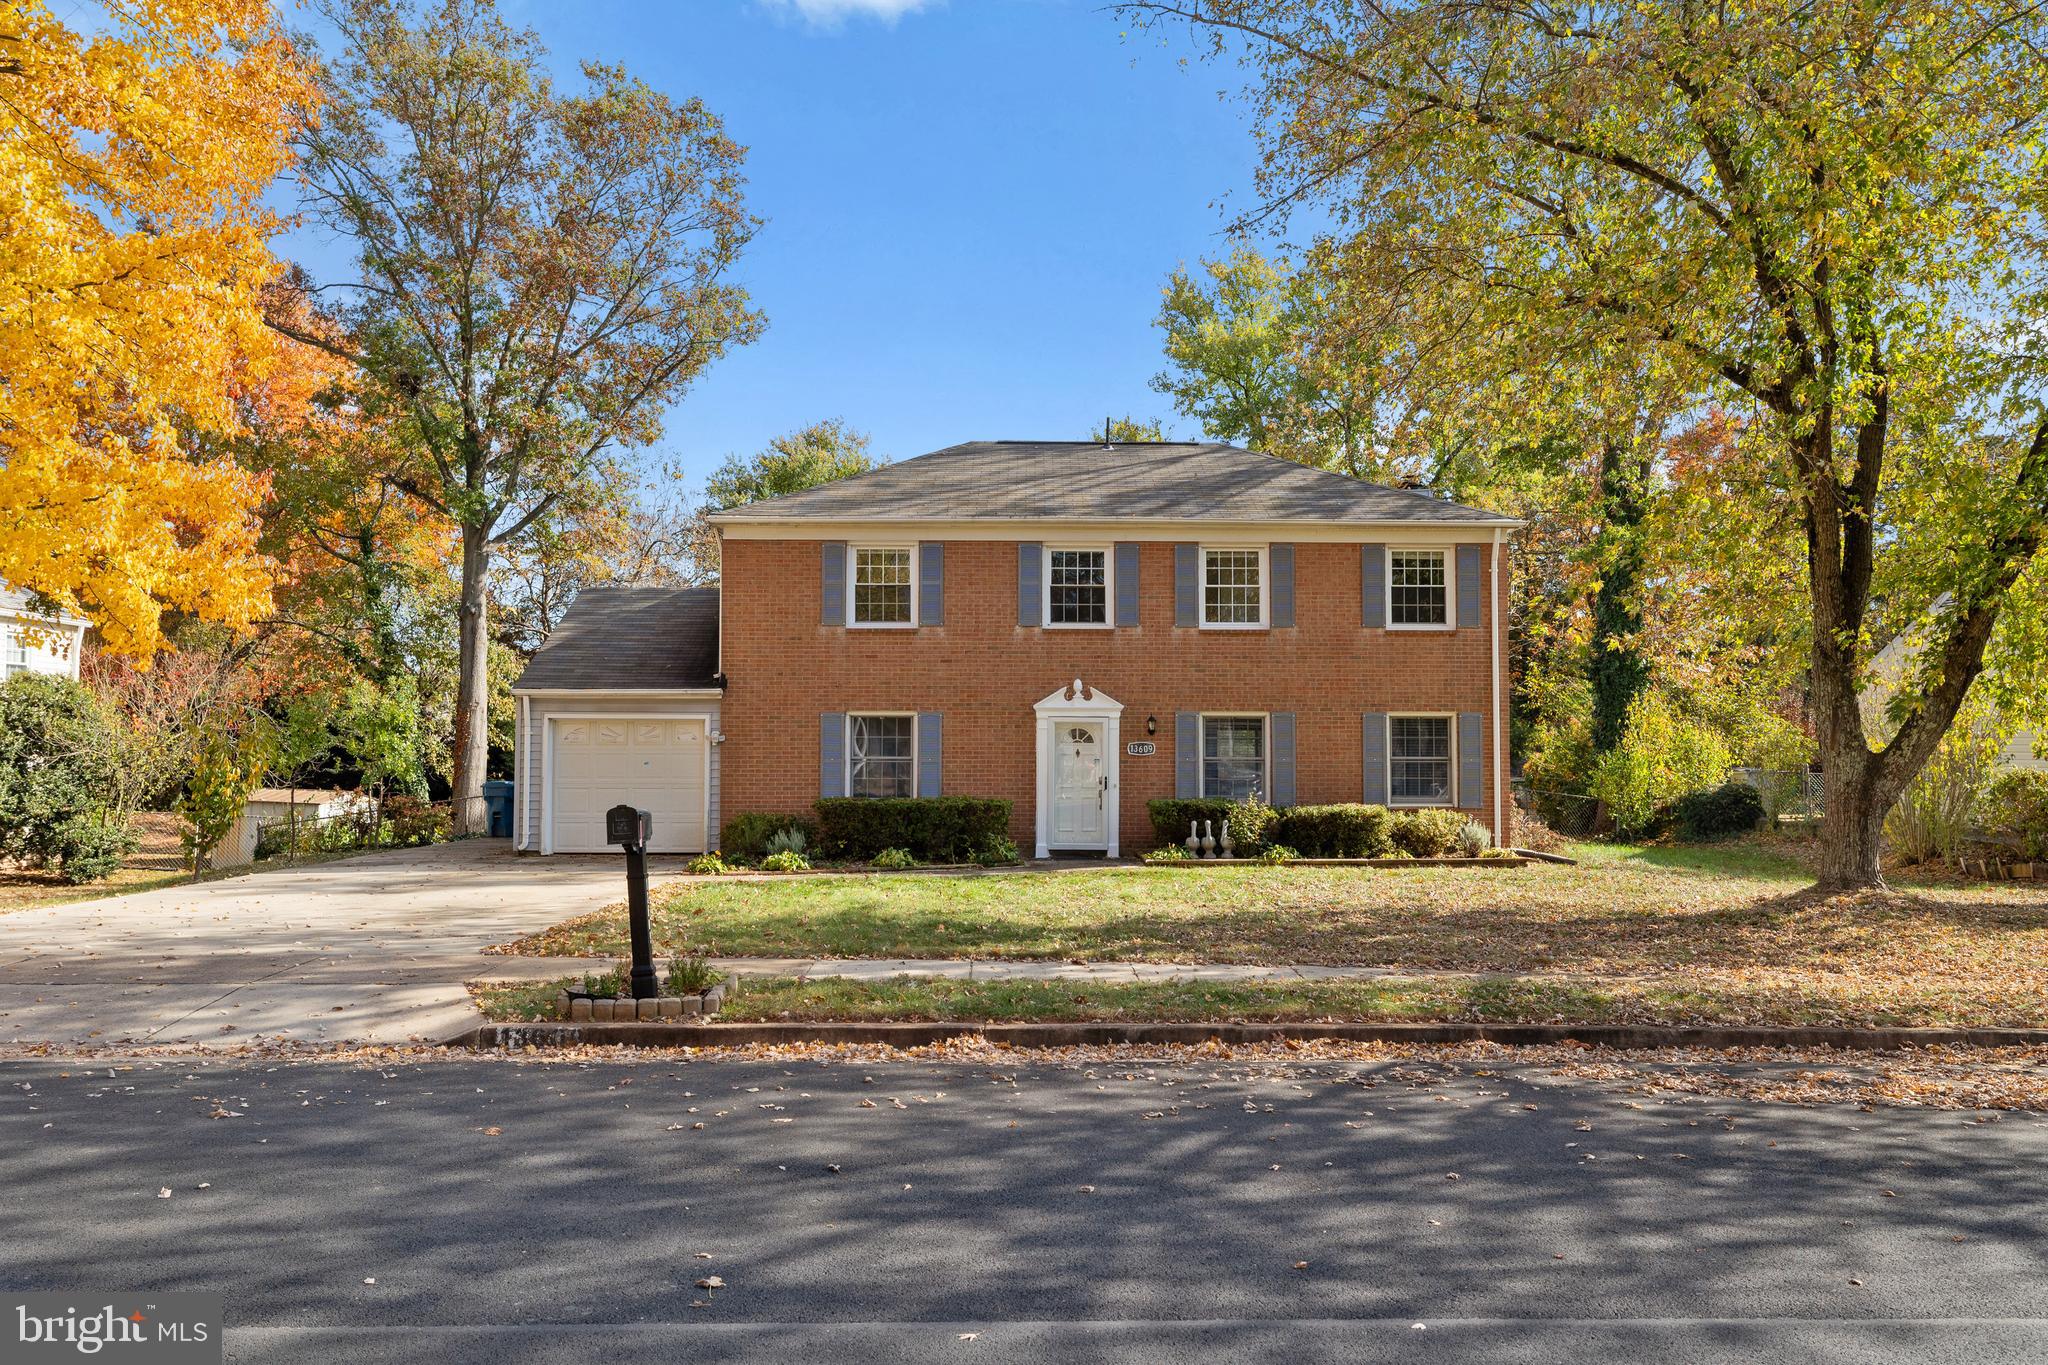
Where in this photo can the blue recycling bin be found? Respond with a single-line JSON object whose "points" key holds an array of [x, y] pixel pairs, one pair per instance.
{"points": [[498, 809]]}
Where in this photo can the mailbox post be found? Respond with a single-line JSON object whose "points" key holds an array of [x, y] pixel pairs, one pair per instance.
{"points": [[630, 828]]}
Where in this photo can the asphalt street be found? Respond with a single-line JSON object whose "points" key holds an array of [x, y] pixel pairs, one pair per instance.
{"points": [[513, 1212]]}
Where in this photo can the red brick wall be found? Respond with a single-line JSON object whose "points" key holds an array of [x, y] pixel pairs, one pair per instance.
{"points": [[984, 673]]}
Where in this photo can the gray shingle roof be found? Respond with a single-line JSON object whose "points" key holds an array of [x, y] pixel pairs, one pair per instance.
{"points": [[630, 638], [1088, 481]]}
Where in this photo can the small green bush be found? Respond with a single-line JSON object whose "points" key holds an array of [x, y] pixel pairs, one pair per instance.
{"points": [[1277, 854], [746, 836], [1473, 839], [690, 973], [1169, 853], [933, 829], [894, 860], [708, 865], [790, 840], [789, 860], [1000, 851], [93, 849], [1718, 812], [1662, 756], [1426, 833], [1337, 831], [1250, 823], [2015, 806], [413, 821], [59, 756], [1171, 815], [608, 984]]}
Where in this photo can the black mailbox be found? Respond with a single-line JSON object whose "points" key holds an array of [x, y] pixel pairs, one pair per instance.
{"points": [[624, 825]]}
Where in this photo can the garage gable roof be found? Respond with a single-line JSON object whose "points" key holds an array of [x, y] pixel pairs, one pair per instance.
{"points": [[630, 639]]}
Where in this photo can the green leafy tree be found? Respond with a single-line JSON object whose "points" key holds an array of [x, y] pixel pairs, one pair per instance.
{"points": [[541, 275], [1129, 430], [1828, 217], [820, 453], [58, 759], [228, 764]]}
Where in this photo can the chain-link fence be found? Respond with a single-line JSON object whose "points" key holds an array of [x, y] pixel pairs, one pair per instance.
{"points": [[296, 837], [1789, 794]]}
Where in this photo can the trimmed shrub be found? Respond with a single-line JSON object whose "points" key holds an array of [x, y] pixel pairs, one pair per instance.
{"points": [[932, 829], [1250, 823], [1338, 831], [1426, 833], [58, 760], [1172, 814], [746, 837], [2015, 806], [1718, 812]]}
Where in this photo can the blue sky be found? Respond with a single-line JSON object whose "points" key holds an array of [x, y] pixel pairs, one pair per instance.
{"points": [[971, 204]]}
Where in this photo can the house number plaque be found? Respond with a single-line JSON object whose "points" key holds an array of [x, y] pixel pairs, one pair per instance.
{"points": [[1141, 748]]}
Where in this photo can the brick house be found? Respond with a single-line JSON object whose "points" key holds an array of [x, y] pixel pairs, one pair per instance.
{"points": [[1078, 628]]}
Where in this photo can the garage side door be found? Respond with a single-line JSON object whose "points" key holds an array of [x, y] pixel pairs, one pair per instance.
{"points": [[657, 765]]}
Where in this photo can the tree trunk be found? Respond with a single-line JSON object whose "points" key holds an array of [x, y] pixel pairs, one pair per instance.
{"points": [[472, 689], [1852, 826]]}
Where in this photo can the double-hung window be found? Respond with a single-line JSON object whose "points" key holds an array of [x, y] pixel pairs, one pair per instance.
{"points": [[881, 756], [13, 652], [1076, 587], [1419, 760], [883, 586], [1233, 588], [1418, 589], [1234, 756]]}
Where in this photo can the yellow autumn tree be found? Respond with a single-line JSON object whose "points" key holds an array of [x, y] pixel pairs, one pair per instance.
{"points": [[133, 248]]}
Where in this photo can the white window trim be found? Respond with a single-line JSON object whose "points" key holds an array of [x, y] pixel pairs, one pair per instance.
{"points": [[846, 748], [853, 552], [1450, 720], [1449, 553], [1264, 622], [1108, 621], [1265, 719]]}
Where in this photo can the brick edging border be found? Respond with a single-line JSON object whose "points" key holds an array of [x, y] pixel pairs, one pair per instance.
{"points": [[492, 1037]]}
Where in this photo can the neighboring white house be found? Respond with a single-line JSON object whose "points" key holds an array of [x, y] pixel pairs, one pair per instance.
{"points": [[2025, 749], [34, 643], [273, 805]]}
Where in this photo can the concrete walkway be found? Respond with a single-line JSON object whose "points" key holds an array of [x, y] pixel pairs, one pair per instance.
{"points": [[373, 948], [963, 969]]}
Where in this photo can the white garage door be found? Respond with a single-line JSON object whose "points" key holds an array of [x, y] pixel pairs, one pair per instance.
{"points": [[656, 765]]}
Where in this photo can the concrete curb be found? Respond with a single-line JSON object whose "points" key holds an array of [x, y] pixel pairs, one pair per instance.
{"points": [[491, 1037]]}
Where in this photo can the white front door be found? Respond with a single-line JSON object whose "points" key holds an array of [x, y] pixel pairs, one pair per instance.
{"points": [[1080, 785]]}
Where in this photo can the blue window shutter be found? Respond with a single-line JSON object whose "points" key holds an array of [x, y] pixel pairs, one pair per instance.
{"points": [[1468, 585], [1187, 754], [1187, 585], [928, 746], [1375, 793], [833, 606], [1280, 734], [1280, 560], [832, 754], [1030, 592], [931, 584], [1372, 572], [1127, 583], [1471, 761]]}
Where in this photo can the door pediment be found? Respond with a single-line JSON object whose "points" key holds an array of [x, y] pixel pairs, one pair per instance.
{"points": [[1075, 699]]}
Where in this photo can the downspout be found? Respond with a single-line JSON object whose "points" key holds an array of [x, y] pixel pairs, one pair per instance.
{"points": [[519, 765], [1499, 749]]}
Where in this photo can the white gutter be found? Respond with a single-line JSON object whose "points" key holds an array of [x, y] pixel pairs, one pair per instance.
{"points": [[1499, 749], [523, 733], [618, 692]]}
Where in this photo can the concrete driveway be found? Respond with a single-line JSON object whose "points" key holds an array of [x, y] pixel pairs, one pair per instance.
{"points": [[373, 948]]}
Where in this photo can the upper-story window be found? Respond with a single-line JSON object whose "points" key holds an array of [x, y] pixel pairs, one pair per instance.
{"points": [[1418, 588], [1233, 588], [883, 586], [1077, 587], [13, 652]]}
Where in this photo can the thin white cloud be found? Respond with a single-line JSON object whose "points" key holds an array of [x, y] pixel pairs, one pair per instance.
{"points": [[831, 13]]}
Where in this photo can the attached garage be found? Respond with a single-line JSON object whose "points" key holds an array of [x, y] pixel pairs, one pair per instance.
{"points": [[621, 706]]}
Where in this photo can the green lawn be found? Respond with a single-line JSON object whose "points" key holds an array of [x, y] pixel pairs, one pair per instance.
{"points": [[1464, 1000], [1732, 932]]}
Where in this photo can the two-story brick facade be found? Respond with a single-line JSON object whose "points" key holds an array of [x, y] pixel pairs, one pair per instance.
{"points": [[1233, 622]]}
